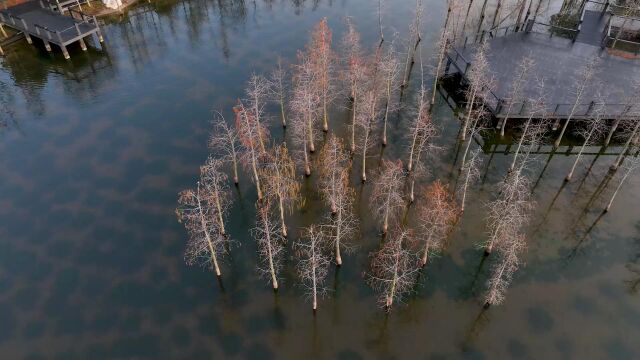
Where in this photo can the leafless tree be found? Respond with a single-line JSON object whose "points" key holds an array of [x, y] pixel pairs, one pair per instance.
{"points": [[355, 74], [390, 69], [510, 211], [270, 243], [341, 227], [333, 162], [224, 142], [436, 218], [257, 91], [516, 89], [629, 103], [471, 173], [478, 118], [278, 89], [503, 269], [250, 132], [630, 132], [413, 41], [304, 108], [443, 48], [480, 83], [214, 181], [322, 61], [394, 269], [313, 263], [367, 122], [281, 185], [536, 125], [630, 166], [584, 76], [386, 198], [421, 133], [206, 242], [594, 130]]}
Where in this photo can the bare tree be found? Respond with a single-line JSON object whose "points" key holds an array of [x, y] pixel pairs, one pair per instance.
{"points": [[630, 166], [278, 89], [421, 130], [249, 131], [270, 243], [304, 107], [206, 243], [390, 69], [471, 173], [420, 135], [341, 227], [224, 142], [367, 122], [630, 99], [595, 128], [436, 217], [333, 162], [214, 181], [257, 91], [504, 268], [510, 211], [480, 83], [631, 131], [516, 89], [533, 130], [355, 73], [394, 269], [478, 117], [584, 76], [313, 264], [443, 48], [413, 41], [386, 198], [281, 185], [322, 62]]}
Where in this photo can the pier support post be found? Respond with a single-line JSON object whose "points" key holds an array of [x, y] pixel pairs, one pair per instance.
{"points": [[47, 45], [65, 52], [1, 51], [4, 33], [83, 45], [28, 37]]}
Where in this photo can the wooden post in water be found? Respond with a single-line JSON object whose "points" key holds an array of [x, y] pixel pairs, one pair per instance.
{"points": [[83, 45]]}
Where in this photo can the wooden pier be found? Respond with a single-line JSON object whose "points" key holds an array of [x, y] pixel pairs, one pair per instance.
{"points": [[37, 19], [558, 53]]}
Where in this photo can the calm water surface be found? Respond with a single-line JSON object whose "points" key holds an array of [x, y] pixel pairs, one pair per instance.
{"points": [[94, 151]]}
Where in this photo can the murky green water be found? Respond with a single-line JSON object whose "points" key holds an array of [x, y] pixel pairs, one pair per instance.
{"points": [[95, 150]]}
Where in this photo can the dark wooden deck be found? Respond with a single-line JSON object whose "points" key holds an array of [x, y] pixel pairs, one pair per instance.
{"points": [[35, 18], [557, 60]]}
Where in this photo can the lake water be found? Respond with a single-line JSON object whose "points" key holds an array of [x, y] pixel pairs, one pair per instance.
{"points": [[94, 151]]}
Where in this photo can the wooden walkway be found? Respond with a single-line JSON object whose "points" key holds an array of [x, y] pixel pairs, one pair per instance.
{"points": [[557, 60], [36, 19]]}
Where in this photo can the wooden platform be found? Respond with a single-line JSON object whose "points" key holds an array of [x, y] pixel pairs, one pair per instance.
{"points": [[557, 60], [35, 18]]}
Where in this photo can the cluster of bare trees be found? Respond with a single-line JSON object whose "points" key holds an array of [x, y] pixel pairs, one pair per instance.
{"points": [[372, 85]]}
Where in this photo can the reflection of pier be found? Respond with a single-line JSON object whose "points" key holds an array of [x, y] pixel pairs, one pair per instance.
{"points": [[34, 18], [557, 53]]}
